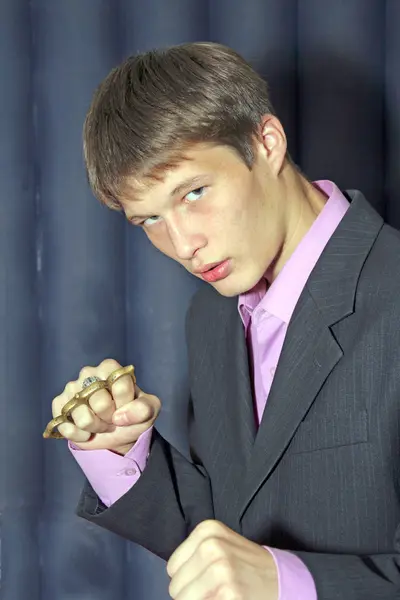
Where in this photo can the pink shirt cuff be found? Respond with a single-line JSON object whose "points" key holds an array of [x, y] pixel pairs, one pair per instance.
{"points": [[110, 474], [294, 579]]}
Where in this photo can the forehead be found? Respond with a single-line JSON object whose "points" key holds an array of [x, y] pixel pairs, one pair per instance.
{"points": [[198, 160]]}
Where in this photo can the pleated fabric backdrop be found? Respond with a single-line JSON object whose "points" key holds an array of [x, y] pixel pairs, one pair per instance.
{"points": [[77, 284]]}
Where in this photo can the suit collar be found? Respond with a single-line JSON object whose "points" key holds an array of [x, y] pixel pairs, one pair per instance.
{"points": [[333, 281], [310, 351]]}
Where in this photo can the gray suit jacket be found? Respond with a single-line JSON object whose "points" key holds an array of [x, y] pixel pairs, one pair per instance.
{"points": [[321, 475]]}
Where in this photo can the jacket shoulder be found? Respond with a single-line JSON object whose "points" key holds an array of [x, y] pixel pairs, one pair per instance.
{"points": [[207, 309], [383, 263]]}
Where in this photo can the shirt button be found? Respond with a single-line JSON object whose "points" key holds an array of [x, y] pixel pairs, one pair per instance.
{"points": [[130, 471]]}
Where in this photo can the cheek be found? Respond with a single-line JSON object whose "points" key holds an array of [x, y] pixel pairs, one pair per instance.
{"points": [[242, 217]]}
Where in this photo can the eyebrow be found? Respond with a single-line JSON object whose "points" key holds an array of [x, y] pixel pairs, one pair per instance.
{"points": [[187, 184]]}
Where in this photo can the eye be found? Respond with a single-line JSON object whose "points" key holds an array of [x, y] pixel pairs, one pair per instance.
{"points": [[195, 194], [150, 221]]}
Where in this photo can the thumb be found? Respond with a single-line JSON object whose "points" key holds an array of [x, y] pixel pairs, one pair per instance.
{"points": [[137, 412]]}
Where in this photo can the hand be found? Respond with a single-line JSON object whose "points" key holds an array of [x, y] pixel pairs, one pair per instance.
{"points": [[215, 563], [110, 421]]}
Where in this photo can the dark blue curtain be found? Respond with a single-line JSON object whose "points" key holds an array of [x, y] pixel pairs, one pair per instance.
{"points": [[78, 285]]}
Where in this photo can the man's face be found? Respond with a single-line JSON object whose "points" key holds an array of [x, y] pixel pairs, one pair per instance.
{"points": [[212, 209]]}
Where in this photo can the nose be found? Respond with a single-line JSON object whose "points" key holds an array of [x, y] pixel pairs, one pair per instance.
{"points": [[184, 242]]}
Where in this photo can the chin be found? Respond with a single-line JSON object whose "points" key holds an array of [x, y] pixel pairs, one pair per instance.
{"points": [[227, 293], [234, 286]]}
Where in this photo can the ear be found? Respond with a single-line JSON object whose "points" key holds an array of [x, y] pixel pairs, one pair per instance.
{"points": [[273, 143]]}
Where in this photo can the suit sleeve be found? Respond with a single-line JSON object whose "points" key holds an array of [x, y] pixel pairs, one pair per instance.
{"points": [[171, 497]]}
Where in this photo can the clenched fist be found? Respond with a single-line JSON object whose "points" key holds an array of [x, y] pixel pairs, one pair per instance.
{"points": [[111, 421], [215, 562]]}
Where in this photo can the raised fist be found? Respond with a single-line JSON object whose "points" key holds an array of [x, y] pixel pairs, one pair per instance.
{"points": [[109, 420]]}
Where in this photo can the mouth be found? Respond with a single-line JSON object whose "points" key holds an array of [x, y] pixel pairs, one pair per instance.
{"points": [[216, 271], [207, 267]]}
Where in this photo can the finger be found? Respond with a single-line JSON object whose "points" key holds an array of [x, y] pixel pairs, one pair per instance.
{"points": [[205, 553], [84, 418], [186, 574], [101, 402], [215, 580], [140, 411], [84, 422], [103, 405], [205, 532], [71, 432], [123, 390], [72, 387], [57, 404], [182, 554], [96, 416], [59, 401]]}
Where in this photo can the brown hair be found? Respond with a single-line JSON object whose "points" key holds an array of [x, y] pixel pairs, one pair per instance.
{"points": [[156, 104]]}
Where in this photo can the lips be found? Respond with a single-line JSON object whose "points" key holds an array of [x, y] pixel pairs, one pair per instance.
{"points": [[208, 267], [217, 272]]}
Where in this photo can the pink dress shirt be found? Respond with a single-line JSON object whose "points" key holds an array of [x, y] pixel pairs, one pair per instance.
{"points": [[265, 315]]}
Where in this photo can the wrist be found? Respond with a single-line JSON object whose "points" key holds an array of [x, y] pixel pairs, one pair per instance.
{"points": [[123, 450]]}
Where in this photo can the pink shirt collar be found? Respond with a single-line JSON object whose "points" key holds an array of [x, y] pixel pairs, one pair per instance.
{"points": [[282, 296]]}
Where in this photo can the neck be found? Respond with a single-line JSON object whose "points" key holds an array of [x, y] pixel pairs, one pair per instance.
{"points": [[305, 202]]}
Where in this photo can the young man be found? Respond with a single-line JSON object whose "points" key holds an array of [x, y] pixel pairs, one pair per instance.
{"points": [[293, 488]]}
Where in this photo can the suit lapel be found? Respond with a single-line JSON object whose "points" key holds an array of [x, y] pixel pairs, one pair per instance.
{"points": [[223, 377], [309, 355], [310, 351], [237, 421], [242, 429]]}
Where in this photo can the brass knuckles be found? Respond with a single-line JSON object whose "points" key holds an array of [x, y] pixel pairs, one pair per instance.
{"points": [[51, 430], [118, 373], [83, 397]]}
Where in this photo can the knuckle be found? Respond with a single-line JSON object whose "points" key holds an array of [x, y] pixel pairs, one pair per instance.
{"points": [[66, 430], [85, 372], [101, 403], [70, 432], [223, 570], [156, 402], [109, 364], [140, 409], [56, 405], [209, 527], [211, 548], [85, 421], [229, 591], [122, 386], [69, 390]]}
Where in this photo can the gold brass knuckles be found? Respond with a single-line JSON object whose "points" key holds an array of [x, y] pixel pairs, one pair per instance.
{"points": [[83, 397]]}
